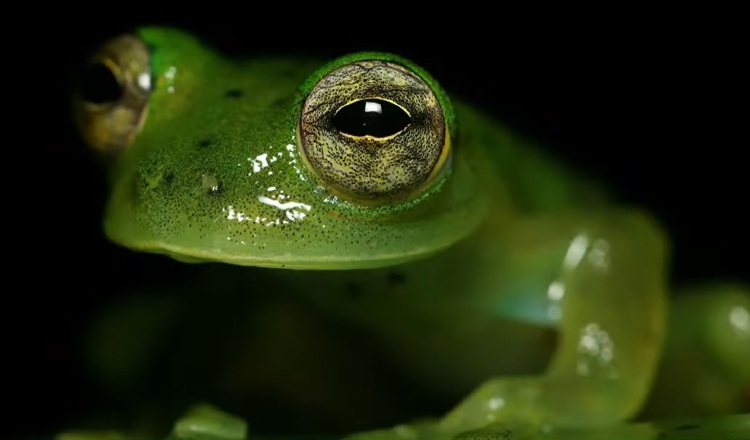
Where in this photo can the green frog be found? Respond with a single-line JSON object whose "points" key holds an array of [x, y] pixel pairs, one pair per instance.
{"points": [[478, 266]]}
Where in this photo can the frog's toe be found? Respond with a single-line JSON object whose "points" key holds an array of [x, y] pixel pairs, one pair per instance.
{"points": [[208, 422]]}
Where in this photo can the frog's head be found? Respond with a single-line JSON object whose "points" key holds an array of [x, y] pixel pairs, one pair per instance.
{"points": [[275, 162]]}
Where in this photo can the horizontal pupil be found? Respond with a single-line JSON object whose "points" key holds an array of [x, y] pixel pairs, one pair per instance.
{"points": [[373, 117], [99, 84]]}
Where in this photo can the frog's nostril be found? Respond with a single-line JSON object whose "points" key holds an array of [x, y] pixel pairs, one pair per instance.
{"points": [[210, 184]]}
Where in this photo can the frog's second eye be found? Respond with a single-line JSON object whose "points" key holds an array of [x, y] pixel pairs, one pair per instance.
{"points": [[374, 132], [112, 94]]}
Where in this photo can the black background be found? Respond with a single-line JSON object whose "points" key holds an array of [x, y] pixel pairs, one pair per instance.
{"points": [[652, 104]]}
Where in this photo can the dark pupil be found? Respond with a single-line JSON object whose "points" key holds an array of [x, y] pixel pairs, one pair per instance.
{"points": [[374, 117], [99, 84]]}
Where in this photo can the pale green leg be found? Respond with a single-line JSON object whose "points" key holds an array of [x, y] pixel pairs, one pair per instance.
{"points": [[708, 343], [200, 422], [611, 295], [612, 290], [206, 422]]}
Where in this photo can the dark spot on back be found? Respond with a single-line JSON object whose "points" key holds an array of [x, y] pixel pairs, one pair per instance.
{"points": [[205, 143], [234, 93]]}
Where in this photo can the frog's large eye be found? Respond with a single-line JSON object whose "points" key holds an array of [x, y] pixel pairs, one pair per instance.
{"points": [[374, 132], [112, 95]]}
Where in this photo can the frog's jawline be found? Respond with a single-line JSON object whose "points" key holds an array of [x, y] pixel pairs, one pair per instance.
{"points": [[287, 261]]}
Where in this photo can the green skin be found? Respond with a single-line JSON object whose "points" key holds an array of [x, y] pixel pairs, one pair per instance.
{"points": [[503, 238]]}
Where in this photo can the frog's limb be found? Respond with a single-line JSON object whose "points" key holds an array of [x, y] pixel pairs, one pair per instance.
{"points": [[208, 422], [200, 422], [708, 342], [610, 291]]}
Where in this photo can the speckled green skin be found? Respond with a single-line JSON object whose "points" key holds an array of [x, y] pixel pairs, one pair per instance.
{"points": [[163, 200], [508, 233]]}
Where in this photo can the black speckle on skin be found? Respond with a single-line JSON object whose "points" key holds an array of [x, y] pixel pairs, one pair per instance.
{"points": [[394, 278], [168, 177], [205, 143], [234, 93]]}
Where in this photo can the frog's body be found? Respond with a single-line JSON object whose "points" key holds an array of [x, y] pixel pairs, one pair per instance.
{"points": [[453, 276]]}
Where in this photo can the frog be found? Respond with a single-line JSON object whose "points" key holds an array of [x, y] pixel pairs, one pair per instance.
{"points": [[468, 255]]}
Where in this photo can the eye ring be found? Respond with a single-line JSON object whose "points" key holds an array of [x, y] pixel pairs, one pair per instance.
{"points": [[111, 98], [392, 154]]}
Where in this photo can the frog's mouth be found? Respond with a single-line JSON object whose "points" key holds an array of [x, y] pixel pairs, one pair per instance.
{"points": [[289, 261], [291, 235]]}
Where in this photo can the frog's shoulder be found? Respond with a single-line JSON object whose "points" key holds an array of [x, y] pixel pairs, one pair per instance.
{"points": [[535, 178]]}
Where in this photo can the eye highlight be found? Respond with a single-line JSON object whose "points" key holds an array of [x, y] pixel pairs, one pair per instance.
{"points": [[111, 98], [371, 117], [374, 132]]}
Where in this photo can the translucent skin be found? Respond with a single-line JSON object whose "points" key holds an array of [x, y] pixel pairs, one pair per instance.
{"points": [[506, 236]]}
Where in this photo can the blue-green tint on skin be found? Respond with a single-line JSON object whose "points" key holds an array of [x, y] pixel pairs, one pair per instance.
{"points": [[215, 175]]}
